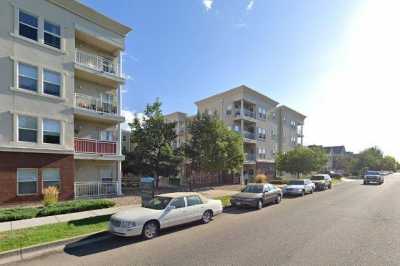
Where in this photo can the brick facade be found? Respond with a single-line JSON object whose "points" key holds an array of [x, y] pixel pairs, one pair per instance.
{"points": [[11, 161]]}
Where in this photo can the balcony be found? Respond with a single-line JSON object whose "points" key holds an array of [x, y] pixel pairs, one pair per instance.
{"points": [[94, 108], [246, 114], [92, 146], [250, 158], [249, 135], [97, 62], [96, 189]]}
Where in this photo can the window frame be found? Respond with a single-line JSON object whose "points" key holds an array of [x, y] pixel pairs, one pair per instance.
{"points": [[19, 63], [60, 93], [184, 202], [36, 182], [18, 128], [52, 33], [30, 26], [43, 178], [43, 135], [193, 196]]}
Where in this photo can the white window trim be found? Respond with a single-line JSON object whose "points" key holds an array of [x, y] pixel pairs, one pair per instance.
{"points": [[37, 77], [61, 130], [30, 26], [59, 181], [37, 129], [37, 181], [40, 81], [53, 34]]}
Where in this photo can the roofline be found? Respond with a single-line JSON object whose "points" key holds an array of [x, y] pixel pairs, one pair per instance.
{"points": [[177, 112], [290, 109], [236, 88], [92, 15]]}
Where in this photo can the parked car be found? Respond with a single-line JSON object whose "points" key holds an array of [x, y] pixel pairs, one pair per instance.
{"points": [[373, 177], [322, 181], [299, 187], [164, 211], [257, 195]]}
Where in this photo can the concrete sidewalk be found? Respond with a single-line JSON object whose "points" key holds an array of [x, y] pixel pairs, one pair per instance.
{"points": [[26, 223]]}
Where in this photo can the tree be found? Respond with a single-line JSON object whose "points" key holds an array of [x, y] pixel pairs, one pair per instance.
{"points": [[213, 147], [389, 163], [301, 160], [368, 159], [152, 140]]}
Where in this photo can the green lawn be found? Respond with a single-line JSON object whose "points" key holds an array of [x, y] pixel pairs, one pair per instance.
{"points": [[47, 233]]}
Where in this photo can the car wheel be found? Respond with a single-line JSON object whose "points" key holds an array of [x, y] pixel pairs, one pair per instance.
{"points": [[207, 216], [365, 182], [151, 230], [311, 191], [259, 204], [330, 186], [278, 199]]}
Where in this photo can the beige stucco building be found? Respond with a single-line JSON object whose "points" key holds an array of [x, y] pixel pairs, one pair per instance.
{"points": [[267, 127], [60, 99]]}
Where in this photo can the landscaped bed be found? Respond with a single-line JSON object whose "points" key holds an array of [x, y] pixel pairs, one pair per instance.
{"points": [[53, 209], [11, 240]]}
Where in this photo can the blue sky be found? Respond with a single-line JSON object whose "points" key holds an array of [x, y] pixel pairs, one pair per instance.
{"points": [[291, 50]]}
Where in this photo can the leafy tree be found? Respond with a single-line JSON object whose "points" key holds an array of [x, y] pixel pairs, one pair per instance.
{"points": [[152, 140], [389, 163], [213, 147], [301, 160], [369, 159]]}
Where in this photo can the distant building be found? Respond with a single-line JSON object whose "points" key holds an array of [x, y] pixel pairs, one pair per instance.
{"points": [[126, 141], [335, 154]]}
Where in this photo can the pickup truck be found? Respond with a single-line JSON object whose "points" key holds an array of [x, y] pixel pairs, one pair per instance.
{"points": [[373, 177]]}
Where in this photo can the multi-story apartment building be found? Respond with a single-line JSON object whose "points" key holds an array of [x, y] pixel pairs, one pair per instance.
{"points": [[267, 127], [181, 121], [60, 100]]}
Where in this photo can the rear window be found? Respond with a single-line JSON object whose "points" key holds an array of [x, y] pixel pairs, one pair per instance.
{"points": [[296, 182], [253, 189], [317, 177]]}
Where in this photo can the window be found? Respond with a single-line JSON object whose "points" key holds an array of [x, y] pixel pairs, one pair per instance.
{"points": [[28, 26], [106, 135], [27, 128], [236, 128], [106, 175], [51, 83], [27, 77], [52, 34], [123, 138], [229, 110], [262, 153], [178, 203], [51, 177], [262, 132], [262, 113], [51, 131], [26, 181], [193, 200]]}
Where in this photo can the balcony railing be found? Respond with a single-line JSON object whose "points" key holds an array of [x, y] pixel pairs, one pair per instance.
{"points": [[97, 62], [249, 135], [95, 146], [96, 189], [95, 104], [246, 112]]}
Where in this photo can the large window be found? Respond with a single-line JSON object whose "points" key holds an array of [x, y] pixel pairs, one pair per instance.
{"points": [[51, 177], [193, 200], [51, 131], [27, 181], [27, 77], [106, 135], [52, 34], [27, 128], [51, 83], [178, 203], [28, 26]]}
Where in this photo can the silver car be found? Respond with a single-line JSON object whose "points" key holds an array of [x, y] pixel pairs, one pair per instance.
{"points": [[299, 187]]}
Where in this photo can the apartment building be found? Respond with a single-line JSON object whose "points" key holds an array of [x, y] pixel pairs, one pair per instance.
{"points": [[60, 100], [181, 121], [267, 127]]}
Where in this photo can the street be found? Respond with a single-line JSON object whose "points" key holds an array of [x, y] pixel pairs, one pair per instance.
{"points": [[352, 224]]}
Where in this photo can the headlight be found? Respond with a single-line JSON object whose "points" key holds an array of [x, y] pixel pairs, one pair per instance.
{"points": [[128, 224]]}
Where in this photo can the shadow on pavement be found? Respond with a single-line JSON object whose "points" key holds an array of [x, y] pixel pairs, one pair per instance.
{"points": [[114, 242]]}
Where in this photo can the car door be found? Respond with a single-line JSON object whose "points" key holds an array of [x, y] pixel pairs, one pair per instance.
{"points": [[195, 207], [175, 213], [269, 193]]}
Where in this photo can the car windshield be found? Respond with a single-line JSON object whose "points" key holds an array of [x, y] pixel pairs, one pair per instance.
{"points": [[253, 189], [317, 177], [373, 173], [157, 203], [296, 182]]}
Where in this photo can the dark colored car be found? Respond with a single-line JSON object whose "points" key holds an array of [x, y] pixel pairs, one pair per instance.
{"points": [[257, 195], [322, 181]]}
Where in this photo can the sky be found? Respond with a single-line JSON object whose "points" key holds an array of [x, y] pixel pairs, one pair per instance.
{"points": [[336, 61]]}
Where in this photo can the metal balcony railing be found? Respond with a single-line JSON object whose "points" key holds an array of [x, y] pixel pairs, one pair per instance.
{"points": [[95, 146], [95, 104], [249, 135], [96, 189], [97, 62]]}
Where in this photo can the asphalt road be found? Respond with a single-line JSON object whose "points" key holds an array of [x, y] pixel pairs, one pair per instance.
{"points": [[351, 224]]}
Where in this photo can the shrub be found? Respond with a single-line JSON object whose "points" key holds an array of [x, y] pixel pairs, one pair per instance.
{"points": [[75, 206], [278, 182], [50, 196], [17, 214], [260, 178]]}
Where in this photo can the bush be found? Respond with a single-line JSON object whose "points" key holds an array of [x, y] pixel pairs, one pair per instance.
{"points": [[50, 196], [17, 214], [278, 182], [75, 206], [260, 178]]}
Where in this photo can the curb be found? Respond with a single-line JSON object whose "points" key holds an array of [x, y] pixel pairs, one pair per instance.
{"points": [[58, 245]]}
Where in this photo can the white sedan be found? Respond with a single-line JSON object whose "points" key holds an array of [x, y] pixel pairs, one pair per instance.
{"points": [[164, 211]]}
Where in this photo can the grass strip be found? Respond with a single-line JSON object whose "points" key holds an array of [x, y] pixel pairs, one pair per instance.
{"points": [[10, 240]]}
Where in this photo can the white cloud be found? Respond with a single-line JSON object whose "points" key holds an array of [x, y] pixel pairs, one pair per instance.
{"points": [[250, 5], [208, 4], [356, 102], [129, 118]]}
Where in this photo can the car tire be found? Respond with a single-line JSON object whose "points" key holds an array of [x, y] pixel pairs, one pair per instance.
{"points": [[330, 186], [151, 230], [259, 205], [206, 217], [278, 199], [365, 183]]}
